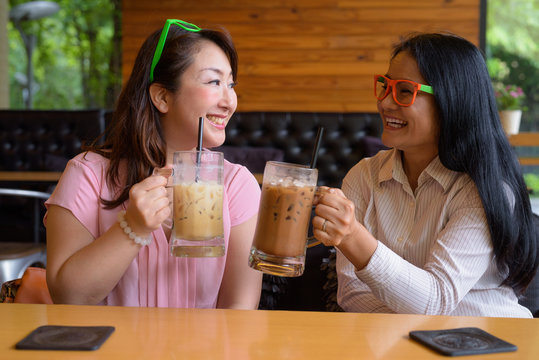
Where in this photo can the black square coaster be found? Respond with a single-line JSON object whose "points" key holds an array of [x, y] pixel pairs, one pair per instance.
{"points": [[51, 337], [462, 341]]}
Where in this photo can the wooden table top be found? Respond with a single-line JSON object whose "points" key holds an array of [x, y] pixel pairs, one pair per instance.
{"points": [[152, 333]]}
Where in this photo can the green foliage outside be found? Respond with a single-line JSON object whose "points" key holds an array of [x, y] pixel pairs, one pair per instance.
{"points": [[513, 59], [77, 57], [513, 51], [532, 181]]}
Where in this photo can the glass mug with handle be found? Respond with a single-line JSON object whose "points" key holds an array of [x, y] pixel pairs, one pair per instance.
{"points": [[197, 206], [280, 240]]}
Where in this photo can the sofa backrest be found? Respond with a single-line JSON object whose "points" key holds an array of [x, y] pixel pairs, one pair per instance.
{"points": [[348, 137], [43, 140]]}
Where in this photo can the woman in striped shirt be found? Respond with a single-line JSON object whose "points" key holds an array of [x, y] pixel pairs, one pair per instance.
{"points": [[441, 223]]}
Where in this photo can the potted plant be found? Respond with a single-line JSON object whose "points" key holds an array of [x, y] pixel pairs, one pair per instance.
{"points": [[509, 99]]}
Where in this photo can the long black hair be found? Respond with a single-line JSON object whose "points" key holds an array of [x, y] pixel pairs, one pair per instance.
{"points": [[472, 141]]}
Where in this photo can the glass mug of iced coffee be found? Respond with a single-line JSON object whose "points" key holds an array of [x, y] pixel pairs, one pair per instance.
{"points": [[280, 240], [197, 209]]}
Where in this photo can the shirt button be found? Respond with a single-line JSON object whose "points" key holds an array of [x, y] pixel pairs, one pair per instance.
{"points": [[400, 239], [412, 203]]}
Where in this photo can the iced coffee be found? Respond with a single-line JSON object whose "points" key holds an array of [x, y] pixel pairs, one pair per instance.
{"points": [[284, 214], [198, 211], [283, 219], [197, 204]]}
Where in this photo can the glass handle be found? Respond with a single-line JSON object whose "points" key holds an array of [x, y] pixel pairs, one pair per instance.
{"points": [[312, 242], [166, 172]]}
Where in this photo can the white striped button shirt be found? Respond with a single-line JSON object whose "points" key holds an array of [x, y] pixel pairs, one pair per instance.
{"points": [[434, 253]]}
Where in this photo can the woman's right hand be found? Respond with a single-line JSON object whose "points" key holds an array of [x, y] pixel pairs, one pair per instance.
{"points": [[335, 224], [148, 205]]}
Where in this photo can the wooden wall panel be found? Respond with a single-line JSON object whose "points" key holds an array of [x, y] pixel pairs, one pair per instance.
{"points": [[305, 55]]}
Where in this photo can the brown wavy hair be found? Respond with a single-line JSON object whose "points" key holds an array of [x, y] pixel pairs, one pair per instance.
{"points": [[134, 136]]}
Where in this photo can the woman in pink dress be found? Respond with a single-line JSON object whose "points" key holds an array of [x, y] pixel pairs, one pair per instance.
{"points": [[189, 74]]}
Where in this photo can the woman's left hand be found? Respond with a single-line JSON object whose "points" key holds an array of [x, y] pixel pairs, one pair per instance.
{"points": [[335, 218]]}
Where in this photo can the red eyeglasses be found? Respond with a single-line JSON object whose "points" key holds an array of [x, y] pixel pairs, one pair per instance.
{"points": [[403, 91]]}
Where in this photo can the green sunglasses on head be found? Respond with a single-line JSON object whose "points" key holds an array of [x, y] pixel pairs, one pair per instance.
{"points": [[163, 38]]}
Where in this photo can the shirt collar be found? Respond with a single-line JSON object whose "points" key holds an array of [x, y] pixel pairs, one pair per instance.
{"points": [[392, 169], [440, 173]]}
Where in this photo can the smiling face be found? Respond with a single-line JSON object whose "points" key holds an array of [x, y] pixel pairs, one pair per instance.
{"points": [[413, 129], [205, 90]]}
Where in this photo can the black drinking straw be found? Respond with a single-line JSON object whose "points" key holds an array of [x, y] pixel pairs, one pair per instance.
{"points": [[199, 144], [200, 134], [317, 146]]}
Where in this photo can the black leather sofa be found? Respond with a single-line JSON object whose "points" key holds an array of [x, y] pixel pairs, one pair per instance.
{"points": [[347, 139], [37, 140], [42, 140]]}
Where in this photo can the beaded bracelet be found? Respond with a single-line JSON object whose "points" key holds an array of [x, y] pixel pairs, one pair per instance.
{"points": [[129, 232]]}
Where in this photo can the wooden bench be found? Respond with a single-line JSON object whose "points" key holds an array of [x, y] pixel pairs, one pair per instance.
{"points": [[526, 139]]}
